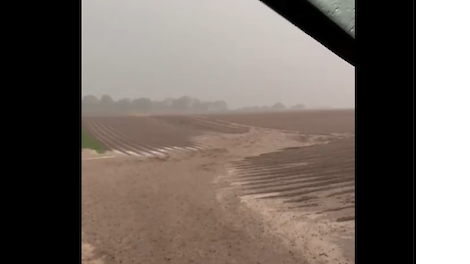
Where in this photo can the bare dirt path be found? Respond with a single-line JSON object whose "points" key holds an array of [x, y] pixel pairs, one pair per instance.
{"points": [[183, 210]]}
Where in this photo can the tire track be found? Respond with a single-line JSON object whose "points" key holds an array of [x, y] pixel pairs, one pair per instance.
{"points": [[272, 160], [230, 126], [90, 129], [150, 136], [290, 177], [197, 124], [118, 146], [130, 146], [319, 178], [149, 150], [294, 182], [300, 187], [143, 136], [312, 166], [105, 139], [161, 135]]}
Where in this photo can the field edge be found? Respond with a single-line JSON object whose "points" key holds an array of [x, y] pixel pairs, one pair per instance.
{"points": [[89, 142]]}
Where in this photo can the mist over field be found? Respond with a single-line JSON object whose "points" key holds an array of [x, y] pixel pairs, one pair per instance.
{"points": [[185, 104], [239, 52]]}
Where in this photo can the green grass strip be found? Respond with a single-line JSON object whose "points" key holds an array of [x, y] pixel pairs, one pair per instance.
{"points": [[89, 142]]}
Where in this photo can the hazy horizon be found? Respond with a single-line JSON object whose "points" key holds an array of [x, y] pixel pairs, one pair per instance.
{"points": [[241, 52]]}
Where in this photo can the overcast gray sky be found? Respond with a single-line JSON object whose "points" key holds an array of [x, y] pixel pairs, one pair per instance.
{"points": [[238, 51]]}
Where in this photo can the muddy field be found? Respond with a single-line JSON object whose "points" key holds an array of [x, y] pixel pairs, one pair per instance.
{"points": [[152, 135], [256, 188], [319, 177], [314, 121]]}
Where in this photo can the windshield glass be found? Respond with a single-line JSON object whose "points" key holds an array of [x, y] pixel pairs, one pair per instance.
{"points": [[342, 12]]}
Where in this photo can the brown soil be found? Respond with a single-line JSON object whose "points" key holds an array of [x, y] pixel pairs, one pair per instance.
{"points": [[146, 134], [204, 207], [313, 121]]}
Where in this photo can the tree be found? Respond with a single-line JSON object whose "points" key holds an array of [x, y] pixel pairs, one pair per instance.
{"points": [[90, 100], [124, 105], [106, 104], [196, 106], [182, 104], [90, 103], [142, 104], [278, 107], [158, 106], [298, 107], [265, 108], [106, 100], [220, 106]]}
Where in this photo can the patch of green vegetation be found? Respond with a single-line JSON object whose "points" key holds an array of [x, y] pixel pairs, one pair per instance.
{"points": [[89, 142]]}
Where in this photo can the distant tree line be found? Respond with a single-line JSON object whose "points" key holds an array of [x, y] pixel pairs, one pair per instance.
{"points": [[277, 107], [185, 104]]}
